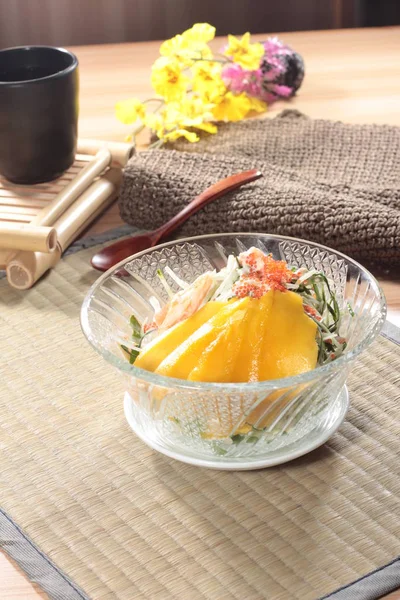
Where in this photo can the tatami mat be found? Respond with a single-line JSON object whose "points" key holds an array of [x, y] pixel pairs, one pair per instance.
{"points": [[124, 522]]}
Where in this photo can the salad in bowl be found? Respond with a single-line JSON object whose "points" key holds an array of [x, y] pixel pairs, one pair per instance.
{"points": [[256, 319], [235, 348]]}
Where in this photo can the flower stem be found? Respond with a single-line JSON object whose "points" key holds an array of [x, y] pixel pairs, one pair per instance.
{"points": [[138, 129], [156, 145], [213, 60], [161, 100]]}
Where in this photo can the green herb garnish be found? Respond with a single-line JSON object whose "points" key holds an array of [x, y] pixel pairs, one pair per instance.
{"points": [[137, 337]]}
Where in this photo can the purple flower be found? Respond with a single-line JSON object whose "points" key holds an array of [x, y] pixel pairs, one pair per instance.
{"points": [[280, 74], [238, 80]]}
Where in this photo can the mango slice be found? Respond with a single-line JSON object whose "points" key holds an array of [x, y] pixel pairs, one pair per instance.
{"points": [[243, 340], [218, 361], [274, 338], [187, 356], [289, 345], [248, 364], [157, 350]]}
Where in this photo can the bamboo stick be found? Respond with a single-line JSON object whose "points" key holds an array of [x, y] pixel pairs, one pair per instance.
{"points": [[27, 237], [64, 199], [120, 152], [25, 268], [6, 217], [92, 202], [27, 202]]}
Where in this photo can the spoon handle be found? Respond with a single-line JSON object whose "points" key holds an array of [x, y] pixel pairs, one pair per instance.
{"points": [[212, 193]]}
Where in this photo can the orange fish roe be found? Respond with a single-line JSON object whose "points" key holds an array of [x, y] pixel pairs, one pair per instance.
{"points": [[148, 326], [311, 311], [264, 274]]}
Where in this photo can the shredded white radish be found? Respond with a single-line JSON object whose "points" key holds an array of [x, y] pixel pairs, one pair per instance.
{"points": [[231, 275], [164, 283], [155, 303], [182, 284], [307, 275]]}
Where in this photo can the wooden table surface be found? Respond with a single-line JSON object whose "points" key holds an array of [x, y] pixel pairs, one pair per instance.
{"points": [[351, 75]]}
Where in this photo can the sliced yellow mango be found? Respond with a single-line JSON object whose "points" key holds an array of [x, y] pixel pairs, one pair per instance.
{"points": [[248, 363], [218, 361], [187, 356], [289, 345], [157, 350], [272, 339], [237, 341]]}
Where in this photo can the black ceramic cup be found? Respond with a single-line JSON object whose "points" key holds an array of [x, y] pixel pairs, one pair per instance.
{"points": [[38, 112]]}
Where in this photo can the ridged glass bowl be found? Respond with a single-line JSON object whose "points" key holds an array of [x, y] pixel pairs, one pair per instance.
{"points": [[238, 425]]}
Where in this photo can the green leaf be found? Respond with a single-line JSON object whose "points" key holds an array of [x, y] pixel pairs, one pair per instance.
{"points": [[237, 438], [136, 330], [134, 323], [133, 356], [252, 439], [316, 290], [218, 450]]}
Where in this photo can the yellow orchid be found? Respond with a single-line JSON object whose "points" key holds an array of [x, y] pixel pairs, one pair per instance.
{"points": [[190, 45], [179, 49], [128, 111], [191, 112], [242, 52], [167, 79], [177, 133], [200, 33], [257, 105], [197, 37], [193, 87], [154, 122], [174, 46], [207, 80], [232, 107]]}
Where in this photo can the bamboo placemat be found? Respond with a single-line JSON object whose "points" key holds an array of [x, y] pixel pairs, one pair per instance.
{"points": [[123, 522]]}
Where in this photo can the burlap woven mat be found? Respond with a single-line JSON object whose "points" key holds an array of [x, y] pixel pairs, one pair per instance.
{"points": [[108, 518], [325, 181]]}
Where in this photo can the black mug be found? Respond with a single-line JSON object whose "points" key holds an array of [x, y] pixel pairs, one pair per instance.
{"points": [[39, 88]]}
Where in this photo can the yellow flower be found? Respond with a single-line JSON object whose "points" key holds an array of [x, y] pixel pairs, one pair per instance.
{"points": [[207, 79], [206, 126], [257, 105], [167, 78], [191, 44], [177, 133], [174, 46], [190, 112], [154, 122], [243, 53], [232, 107], [200, 33], [178, 48], [197, 37], [128, 111]]}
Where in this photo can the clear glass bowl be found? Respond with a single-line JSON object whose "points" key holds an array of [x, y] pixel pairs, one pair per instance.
{"points": [[238, 423]]}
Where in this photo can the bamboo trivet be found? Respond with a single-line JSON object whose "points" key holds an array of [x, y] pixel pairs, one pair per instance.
{"points": [[37, 223], [124, 522]]}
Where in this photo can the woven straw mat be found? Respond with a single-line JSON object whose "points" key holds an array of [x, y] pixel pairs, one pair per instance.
{"points": [[127, 523]]}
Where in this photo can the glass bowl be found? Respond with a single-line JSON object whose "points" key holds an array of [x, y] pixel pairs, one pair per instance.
{"points": [[237, 425]]}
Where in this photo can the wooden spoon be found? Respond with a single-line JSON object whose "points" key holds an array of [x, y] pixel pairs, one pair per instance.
{"points": [[113, 254]]}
